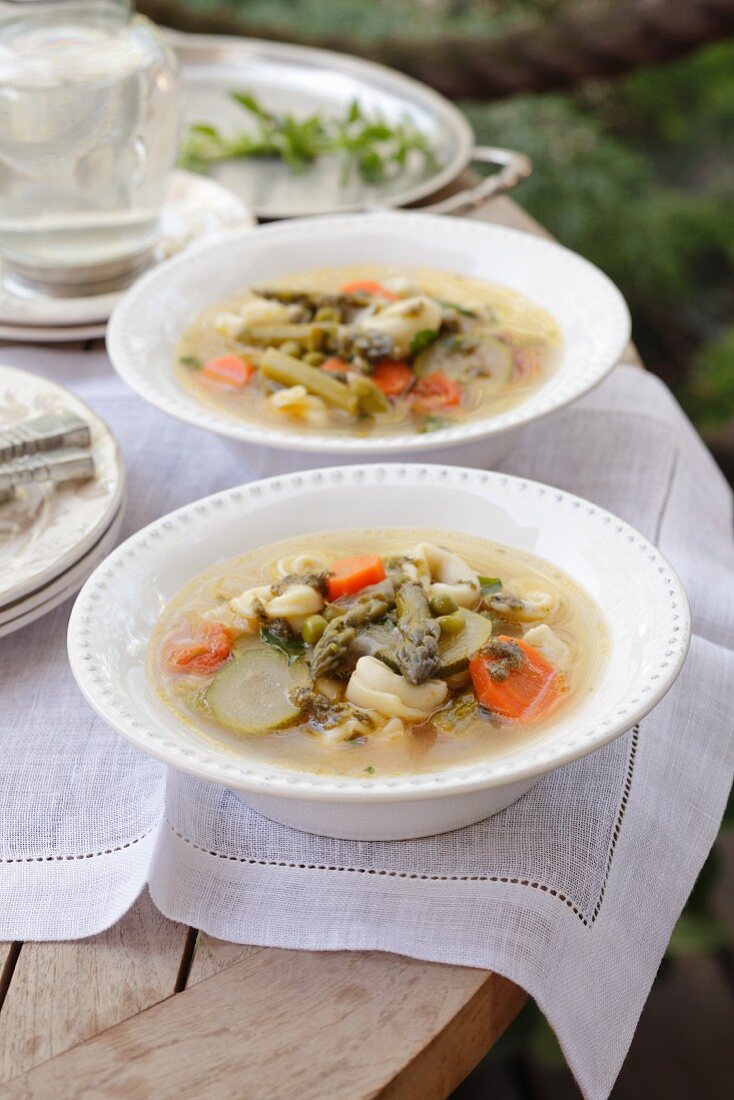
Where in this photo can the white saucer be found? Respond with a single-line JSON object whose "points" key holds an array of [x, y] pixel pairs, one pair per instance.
{"points": [[45, 599], [46, 530], [195, 207], [41, 334]]}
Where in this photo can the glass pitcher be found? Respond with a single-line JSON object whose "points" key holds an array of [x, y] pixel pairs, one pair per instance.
{"points": [[88, 136]]}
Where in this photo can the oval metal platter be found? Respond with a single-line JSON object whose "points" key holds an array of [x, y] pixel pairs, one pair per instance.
{"points": [[304, 81]]}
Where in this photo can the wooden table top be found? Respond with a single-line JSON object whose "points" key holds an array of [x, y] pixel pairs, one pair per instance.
{"points": [[151, 1008]]}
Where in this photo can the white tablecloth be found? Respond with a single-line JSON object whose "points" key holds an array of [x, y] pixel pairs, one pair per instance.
{"points": [[572, 892]]}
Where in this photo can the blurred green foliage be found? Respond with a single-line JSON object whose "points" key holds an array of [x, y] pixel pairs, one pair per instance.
{"points": [[639, 176]]}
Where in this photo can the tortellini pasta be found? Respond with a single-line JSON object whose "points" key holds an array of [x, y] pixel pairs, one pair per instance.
{"points": [[524, 603], [373, 686], [553, 648], [403, 320], [295, 605], [297, 402], [301, 563], [448, 574], [247, 606]]}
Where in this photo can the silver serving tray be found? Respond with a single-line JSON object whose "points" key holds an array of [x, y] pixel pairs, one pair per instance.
{"points": [[304, 80]]}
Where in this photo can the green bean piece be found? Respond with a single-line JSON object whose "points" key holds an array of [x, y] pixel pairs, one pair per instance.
{"points": [[452, 624], [327, 313], [371, 397], [292, 347], [313, 628], [277, 335], [314, 358], [294, 372], [442, 605]]}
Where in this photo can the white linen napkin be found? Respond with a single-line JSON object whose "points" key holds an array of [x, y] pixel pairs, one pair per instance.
{"points": [[572, 892]]}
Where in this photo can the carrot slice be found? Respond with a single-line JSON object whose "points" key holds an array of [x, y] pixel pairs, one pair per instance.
{"points": [[392, 377], [513, 679], [229, 370], [351, 574], [335, 365], [205, 650], [369, 286], [435, 391]]}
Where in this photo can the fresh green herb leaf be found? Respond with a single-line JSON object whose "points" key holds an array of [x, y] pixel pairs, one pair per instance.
{"points": [[189, 361], [423, 340], [459, 309], [489, 584], [292, 648], [372, 146], [433, 424], [370, 770]]}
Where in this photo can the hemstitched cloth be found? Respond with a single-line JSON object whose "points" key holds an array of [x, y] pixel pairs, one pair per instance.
{"points": [[572, 892]]}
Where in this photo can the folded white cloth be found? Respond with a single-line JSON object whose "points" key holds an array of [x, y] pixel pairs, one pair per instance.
{"points": [[572, 892]]}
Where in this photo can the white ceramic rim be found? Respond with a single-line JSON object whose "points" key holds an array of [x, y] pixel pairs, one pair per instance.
{"points": [[69, 554], [72, 582], [612, 331], [28, 334], [114, 709], [77, 572]]}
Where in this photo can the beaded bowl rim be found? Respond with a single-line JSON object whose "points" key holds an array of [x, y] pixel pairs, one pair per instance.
{"points": [[672, 638], [603, 302]]}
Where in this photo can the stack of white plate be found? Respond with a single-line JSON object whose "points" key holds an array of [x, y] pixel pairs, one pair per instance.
{"points": [[53, 537]]}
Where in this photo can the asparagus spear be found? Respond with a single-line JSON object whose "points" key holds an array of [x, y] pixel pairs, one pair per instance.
{"points": [[294, 372], [331, 651], [417, 655]]}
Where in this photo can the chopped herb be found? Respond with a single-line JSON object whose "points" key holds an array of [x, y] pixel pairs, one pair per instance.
{"points": [[433, 424], [292, 648], [370, 770], [423, 340], [459, 309], [377, 149], [489, 584], [189, 361]]}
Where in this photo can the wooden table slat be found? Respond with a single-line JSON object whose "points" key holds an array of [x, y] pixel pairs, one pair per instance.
{"points": [[292, 1023], [63, 993], [212, 956]]}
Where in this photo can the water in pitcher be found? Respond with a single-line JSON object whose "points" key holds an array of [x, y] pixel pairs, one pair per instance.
{"points": [[88, 134]]}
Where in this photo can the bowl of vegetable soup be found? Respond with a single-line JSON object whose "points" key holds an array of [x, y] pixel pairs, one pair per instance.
{"points": [[380, 651], [369, 336]]}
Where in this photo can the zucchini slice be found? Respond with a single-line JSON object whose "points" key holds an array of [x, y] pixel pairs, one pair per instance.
{"points": [[456, 650], [250, 694]]}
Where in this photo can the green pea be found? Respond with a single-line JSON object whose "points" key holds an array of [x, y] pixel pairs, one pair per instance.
{"points": [[292, 347], [452, 624], [327, 313], [442, 605], [313, 628], [314, 358]]}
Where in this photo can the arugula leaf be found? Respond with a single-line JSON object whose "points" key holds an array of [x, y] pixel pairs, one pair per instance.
{"points": [[292, 648], [423, 340], [489, 584]]}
